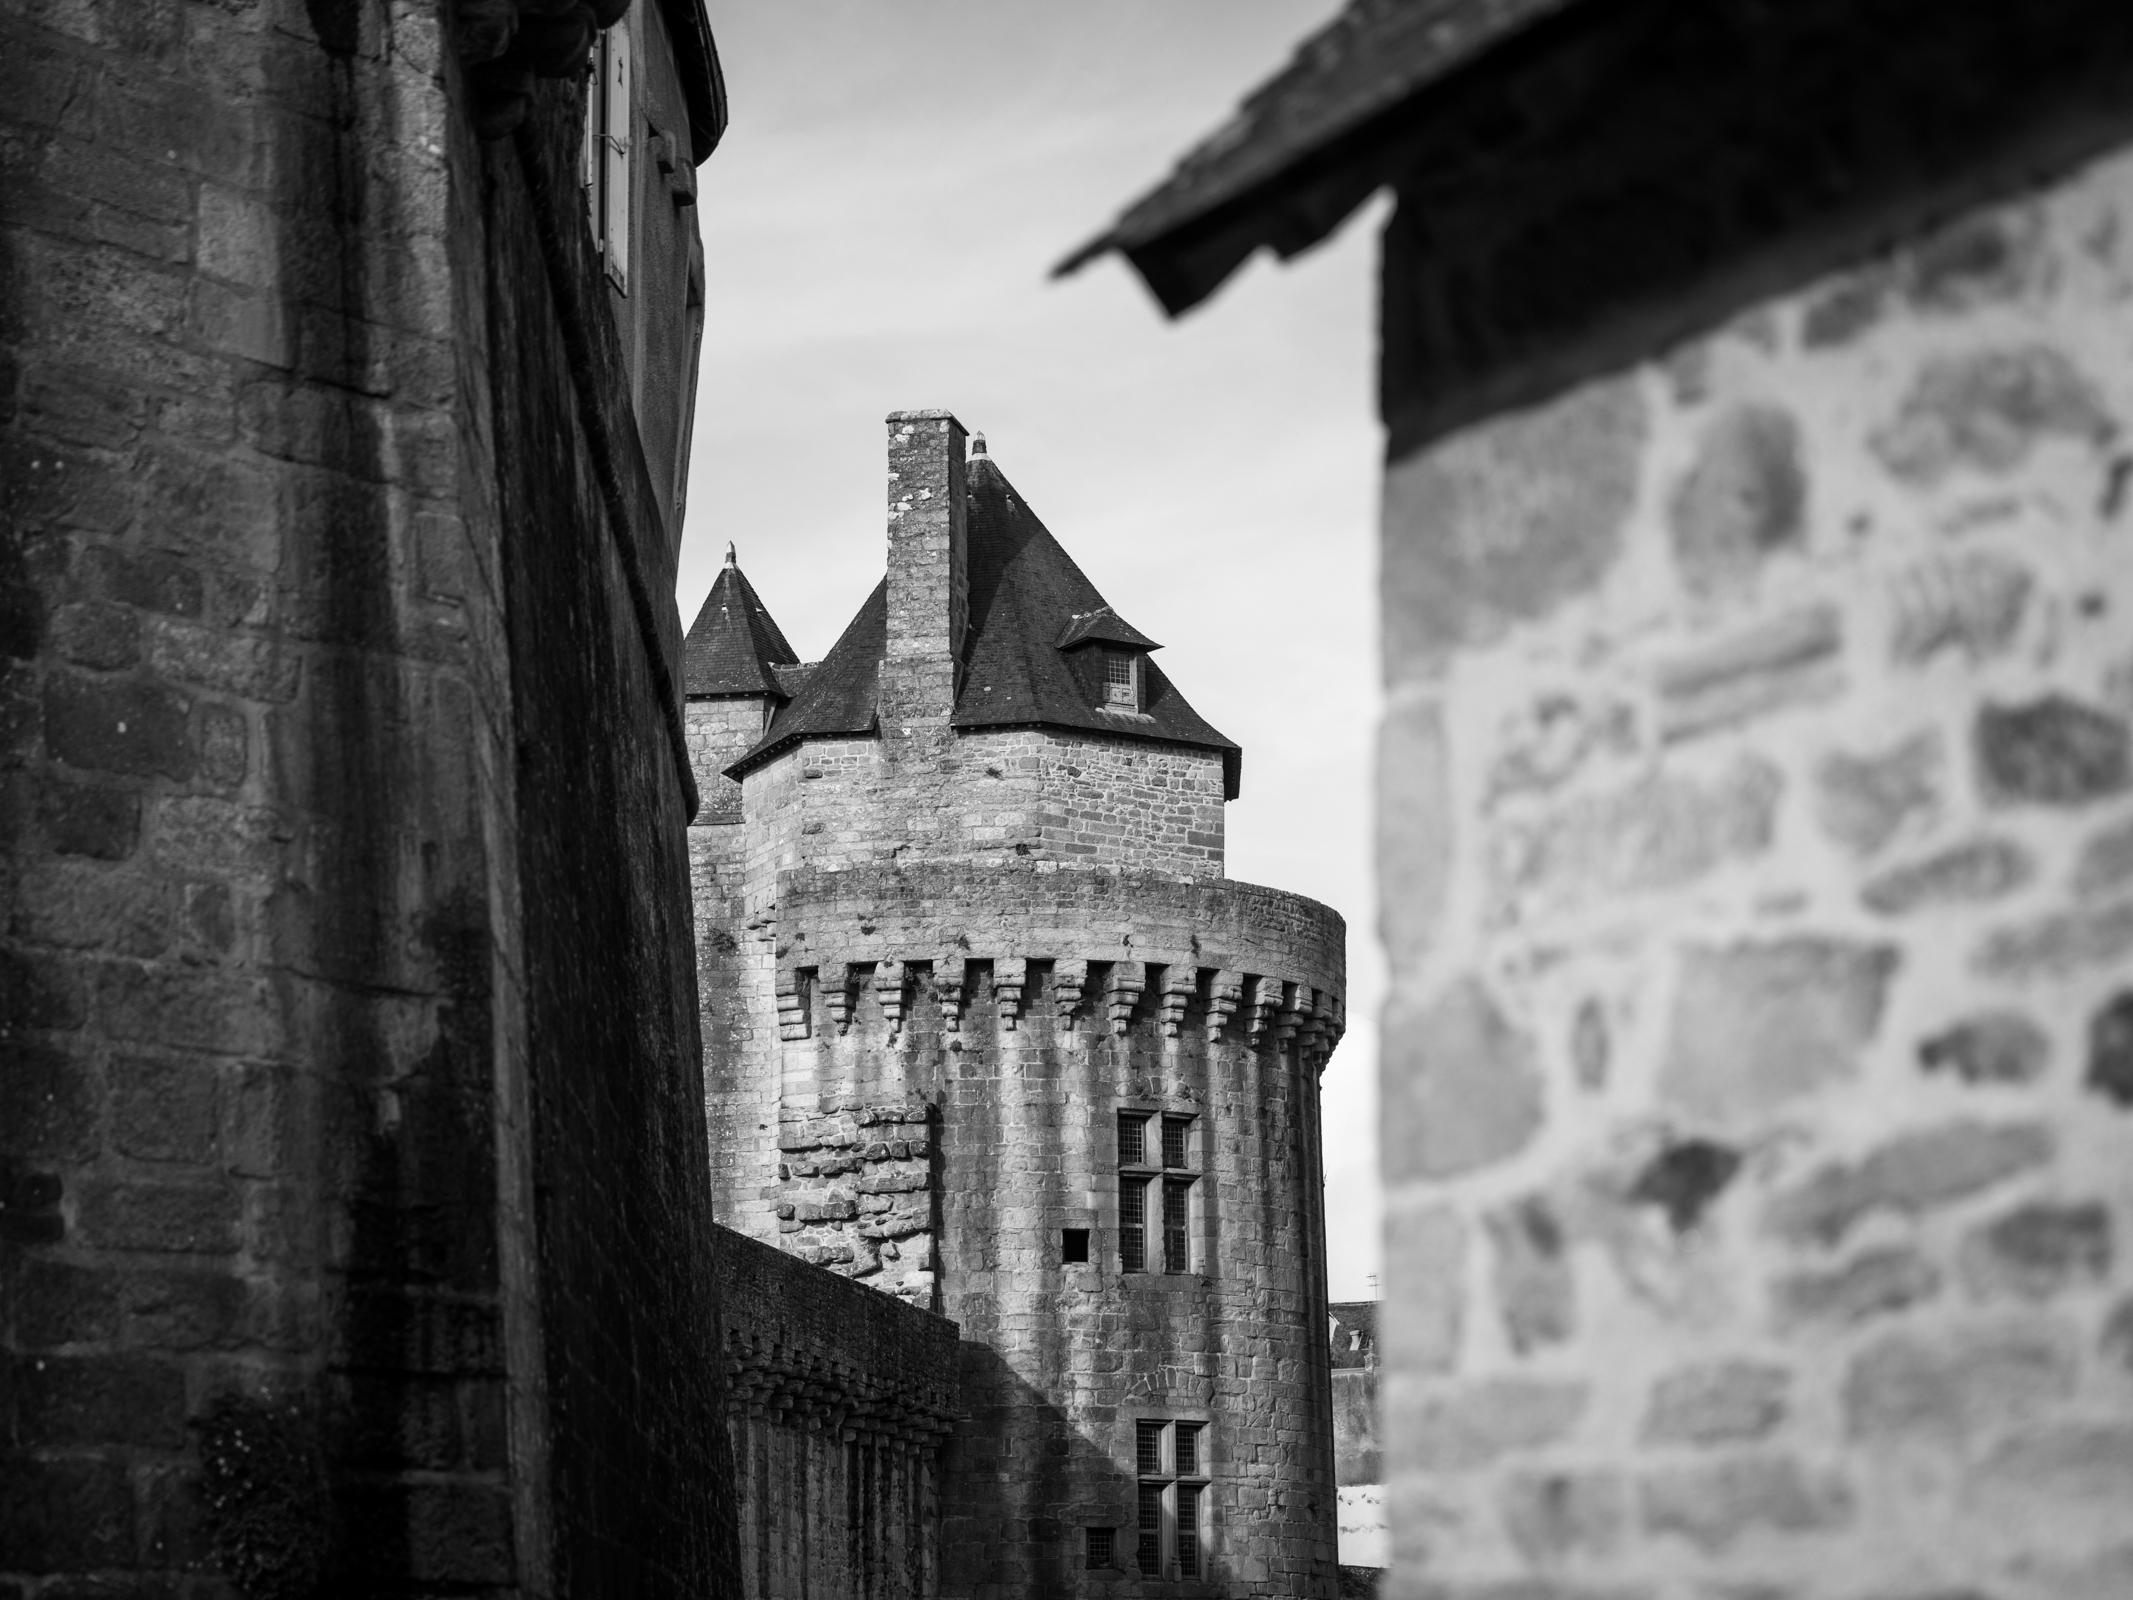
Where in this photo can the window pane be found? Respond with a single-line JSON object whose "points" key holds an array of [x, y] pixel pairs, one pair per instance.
{"points": [[1118, 669], [1188, 1450], [1175, 1130], [1150, 1555], [1148, 1448], [1177, 1207], [1132, 1224], [1100, 1553], [1188, 1530], [1132, 1141]]}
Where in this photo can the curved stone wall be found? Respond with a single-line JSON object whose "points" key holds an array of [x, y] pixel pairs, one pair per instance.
{"points": [[941, 1106]]}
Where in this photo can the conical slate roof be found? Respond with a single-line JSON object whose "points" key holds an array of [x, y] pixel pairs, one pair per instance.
{"points": [[733, 646], [1030, 606]]}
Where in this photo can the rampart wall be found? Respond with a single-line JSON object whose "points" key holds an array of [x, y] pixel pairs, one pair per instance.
{"points": [[839, 1402]]}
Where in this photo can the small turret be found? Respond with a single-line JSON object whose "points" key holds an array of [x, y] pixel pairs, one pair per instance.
{"points": [[737, 670]]}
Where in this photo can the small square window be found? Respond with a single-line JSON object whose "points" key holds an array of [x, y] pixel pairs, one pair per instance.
{"points": [[1102, 1549], [1074, 1245]]}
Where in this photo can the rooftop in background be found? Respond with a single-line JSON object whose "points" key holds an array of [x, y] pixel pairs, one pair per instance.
{"points": [[1030, 606], [1283, 171], [733, 646], [1355, 1333]]}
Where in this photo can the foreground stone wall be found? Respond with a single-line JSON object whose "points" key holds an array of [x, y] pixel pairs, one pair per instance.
{"points": [[1757, 797], [840, 1399], [350, 1165]]}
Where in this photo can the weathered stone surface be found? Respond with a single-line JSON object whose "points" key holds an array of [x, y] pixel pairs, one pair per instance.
{"points": [[1976, 869], [1683, 1179], [1758, 1025], [1913, 1173], [1742, 501], [1462, 1089], [1551, 738], [1972, 602], [1658, 833], [1863, 801], [1590, 1044], [1975, 260], [1503, 523], [1986, 410], [1536, 1283], [1941, 1389], [1425, 1276], [1417, 829], [1476, 1424], [2051, 751], [2110, 1071], [1712, 1504], [1717, 1403], [2115, 1342], [2038, 1249], [1553, 1515], [2058, 944], [2106, 862], [1789, 660], [2069, 1482], [1872, 1284], [2001, 1046]]}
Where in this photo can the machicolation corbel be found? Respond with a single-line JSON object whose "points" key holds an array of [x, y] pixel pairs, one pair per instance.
{"points": [[1265, 1001], [1123, 988], [1225, 992], [792, 986], [1010, 975], [1070, 977], [889, 979], [840, 997], [949, 974], [1180, 983]]}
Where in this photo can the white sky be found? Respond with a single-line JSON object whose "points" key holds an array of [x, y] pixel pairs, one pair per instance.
{"points": [[879, 223]]}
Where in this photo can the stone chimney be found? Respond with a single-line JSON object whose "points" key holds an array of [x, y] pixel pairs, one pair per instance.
{"points": [[929, 572]]}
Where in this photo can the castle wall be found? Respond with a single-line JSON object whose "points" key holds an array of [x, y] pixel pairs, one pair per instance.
{"points": [[1007, 795], [840, 1400], [337, 1248], [1758, 795]]}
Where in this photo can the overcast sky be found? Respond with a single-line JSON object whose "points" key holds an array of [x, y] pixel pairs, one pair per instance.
{"points": [[879, 226]]}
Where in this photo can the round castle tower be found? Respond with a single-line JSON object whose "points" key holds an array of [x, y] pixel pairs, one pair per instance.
{"points": [[986, 1028]]}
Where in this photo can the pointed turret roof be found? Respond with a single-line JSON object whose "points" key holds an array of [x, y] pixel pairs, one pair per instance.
{"points": [[1030, 608], [734, 647]]}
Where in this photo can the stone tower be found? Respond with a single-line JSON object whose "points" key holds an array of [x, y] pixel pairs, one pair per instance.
{"points": [[987, 1028]]}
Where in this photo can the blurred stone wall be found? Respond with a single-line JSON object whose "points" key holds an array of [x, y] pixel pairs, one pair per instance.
{"points": [[1757, 843]]}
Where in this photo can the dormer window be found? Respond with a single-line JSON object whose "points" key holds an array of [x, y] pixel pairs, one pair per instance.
{"points": [[1122, 680]]}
